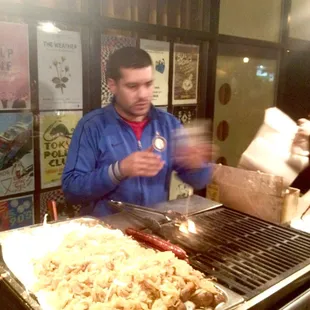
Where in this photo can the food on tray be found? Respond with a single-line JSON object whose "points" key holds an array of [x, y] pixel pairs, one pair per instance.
{"points": [[99, 268]]}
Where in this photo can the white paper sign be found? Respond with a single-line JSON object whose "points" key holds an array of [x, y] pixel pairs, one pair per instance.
{"points": [[60, 70], [179, 189], [159, 52], [270, 150]]}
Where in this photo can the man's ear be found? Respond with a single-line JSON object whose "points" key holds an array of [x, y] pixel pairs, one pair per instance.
{"points": [[112, 86]]}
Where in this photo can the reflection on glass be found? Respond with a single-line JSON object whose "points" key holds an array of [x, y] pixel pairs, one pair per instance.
{"points": [[251, 19], [48, 27], [298, 20], [243, 92]]}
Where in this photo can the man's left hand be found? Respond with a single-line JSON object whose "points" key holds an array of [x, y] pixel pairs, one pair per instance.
{"points": [[195, 157]]}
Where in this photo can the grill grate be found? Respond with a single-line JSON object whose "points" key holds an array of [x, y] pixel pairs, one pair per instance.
{"points": [[246, 254]]}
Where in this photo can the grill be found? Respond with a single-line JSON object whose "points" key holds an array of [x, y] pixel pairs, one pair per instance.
{"points": [[245, 254]]}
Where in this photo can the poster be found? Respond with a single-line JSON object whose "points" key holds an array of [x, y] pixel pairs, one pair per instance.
{"points": [[60, 70], [16, 212], [185, 114], [109, 44], [179, 189], [159, 52], [56, 129], [14, 67], [64, 210], [185, 74], [16, 153]]}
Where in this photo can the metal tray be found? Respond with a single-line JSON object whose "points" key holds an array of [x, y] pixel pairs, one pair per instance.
{"points": [[232, 299], [12, 283], [31, 303]]}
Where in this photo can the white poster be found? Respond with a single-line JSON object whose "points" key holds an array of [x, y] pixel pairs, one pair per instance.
{"points": [[60, 70], [185, 74], [159, 52], [179, 189]]}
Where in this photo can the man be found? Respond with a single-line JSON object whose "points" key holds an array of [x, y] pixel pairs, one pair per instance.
{"points": [[302, 141], [112, 154]]}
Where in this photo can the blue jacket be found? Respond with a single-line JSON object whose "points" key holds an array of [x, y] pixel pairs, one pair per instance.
{"points": [[102, 138]]}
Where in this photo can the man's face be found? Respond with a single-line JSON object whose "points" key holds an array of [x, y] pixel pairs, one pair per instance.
{"points": [[133, 91]]}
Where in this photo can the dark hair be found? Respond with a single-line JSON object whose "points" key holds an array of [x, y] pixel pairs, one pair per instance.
{"points": [[127, 57]]}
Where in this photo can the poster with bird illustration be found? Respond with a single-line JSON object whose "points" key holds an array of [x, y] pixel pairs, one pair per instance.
{"points": [[60, 70], [56, 129], [185, 74]]}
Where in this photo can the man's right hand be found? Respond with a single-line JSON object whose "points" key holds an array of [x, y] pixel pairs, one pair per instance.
{"points": [[141, 164]]}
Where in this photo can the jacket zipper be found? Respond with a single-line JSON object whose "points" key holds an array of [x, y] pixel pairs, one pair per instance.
{"points": [[139, 144], [140, 180]]}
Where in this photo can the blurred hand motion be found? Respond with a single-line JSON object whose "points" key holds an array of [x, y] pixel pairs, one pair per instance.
{"points": [[194, 147]]}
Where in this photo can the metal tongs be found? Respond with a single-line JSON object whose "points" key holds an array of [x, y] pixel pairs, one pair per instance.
{"points": [[148, 222], [170, 215]]}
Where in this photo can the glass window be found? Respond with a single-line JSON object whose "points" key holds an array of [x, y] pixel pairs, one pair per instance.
{"points": [[71, 5], [187, 14], [295, 97], [245, 87], [298, 21], [251, 19]]}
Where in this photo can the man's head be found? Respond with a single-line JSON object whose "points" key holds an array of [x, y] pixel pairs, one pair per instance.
{"points": [[130, 79]]}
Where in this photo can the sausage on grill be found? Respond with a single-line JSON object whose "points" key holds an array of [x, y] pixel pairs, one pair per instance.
{"points": [[156, 242]]}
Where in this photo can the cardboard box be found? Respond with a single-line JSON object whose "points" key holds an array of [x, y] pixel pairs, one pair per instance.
{"points": [[258, 194]]}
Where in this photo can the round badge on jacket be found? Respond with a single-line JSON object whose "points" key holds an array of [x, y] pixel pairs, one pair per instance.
{"points": [[159, 143]]}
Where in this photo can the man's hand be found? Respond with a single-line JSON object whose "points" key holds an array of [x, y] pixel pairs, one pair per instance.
{"points": [[304, 127], [141, 164], [194, 157]]}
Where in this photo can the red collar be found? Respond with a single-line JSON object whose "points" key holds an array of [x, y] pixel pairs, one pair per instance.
{"points": [[137, 127]]}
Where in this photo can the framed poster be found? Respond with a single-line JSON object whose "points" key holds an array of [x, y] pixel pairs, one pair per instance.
{"points": [[159, 52], [63, 209], [14, 67], [185, 114], [179, 189], [56, 129], [109, 44], [60, 70], [16, 212], [16, 153], [185, 74]]}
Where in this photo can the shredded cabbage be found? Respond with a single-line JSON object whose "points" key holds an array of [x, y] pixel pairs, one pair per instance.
{"points": [[99, 268]]}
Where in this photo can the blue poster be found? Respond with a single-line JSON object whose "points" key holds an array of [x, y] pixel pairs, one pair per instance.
{"points": [[16, 212]]}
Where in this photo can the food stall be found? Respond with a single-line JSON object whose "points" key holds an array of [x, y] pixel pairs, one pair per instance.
{"points": [[249, 263]]}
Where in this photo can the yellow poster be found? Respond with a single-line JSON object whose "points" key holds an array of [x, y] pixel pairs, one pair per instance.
{"points": [[56, 129]]}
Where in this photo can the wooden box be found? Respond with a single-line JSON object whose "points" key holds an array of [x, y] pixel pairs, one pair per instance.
{"points": [[259, 194]]}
